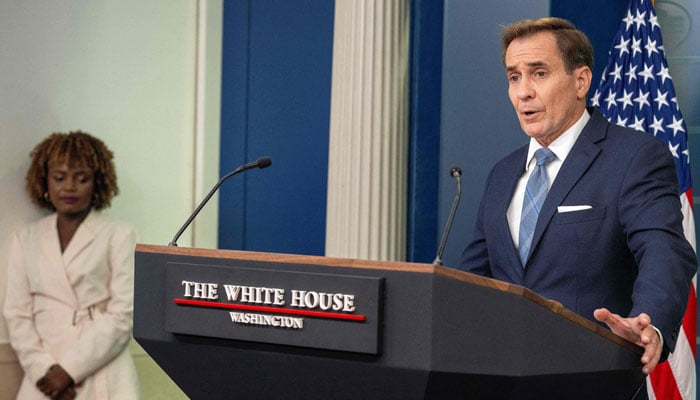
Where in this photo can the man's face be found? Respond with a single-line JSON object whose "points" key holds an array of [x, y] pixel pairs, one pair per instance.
{"points": [[546, 99]]}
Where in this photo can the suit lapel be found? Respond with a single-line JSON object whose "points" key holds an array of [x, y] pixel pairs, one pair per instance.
{"points": [[581, 156], [83, 237], [49, 238], [514, 170], [51, 250]]}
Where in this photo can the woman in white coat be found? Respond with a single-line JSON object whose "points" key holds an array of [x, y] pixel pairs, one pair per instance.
{"points": [[69, 297]]}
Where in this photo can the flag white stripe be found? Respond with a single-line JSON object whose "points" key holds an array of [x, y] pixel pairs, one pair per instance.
{"points": [[683, 366], [688, 220]]}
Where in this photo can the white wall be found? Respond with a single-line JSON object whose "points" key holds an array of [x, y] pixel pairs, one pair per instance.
{"points": [[126, 71]]}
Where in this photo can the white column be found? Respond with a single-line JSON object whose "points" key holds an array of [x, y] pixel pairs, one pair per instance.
{"points": [[207, 121], [368, 149]]}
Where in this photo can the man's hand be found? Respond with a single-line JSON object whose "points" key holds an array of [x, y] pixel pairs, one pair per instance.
{"points": [[637, 330], [55, 382]]}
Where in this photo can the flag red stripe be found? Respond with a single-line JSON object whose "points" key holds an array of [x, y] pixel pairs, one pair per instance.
{"points": [[664, 383], [689, 319]]}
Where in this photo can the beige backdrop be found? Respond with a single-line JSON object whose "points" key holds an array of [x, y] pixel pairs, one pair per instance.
{"points": [[142, 75]]}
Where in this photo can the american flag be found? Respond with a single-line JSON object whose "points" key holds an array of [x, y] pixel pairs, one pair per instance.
{"points": [[636, 90]]}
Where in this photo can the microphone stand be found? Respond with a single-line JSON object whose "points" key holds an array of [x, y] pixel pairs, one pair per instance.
{"points": [[456, 173], [262, 162]]}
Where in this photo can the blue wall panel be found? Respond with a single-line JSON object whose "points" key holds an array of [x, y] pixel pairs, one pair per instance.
{"points": [[276, 80], [233, 152], [424, 143]]}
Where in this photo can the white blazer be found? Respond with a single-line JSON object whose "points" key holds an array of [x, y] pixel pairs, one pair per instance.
{"points": [[74, 309]]}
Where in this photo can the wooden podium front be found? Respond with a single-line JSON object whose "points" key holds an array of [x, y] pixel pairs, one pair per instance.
{"points": [[233, 324]]}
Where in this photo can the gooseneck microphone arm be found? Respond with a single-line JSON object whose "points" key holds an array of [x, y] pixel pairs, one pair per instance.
{"points": [[262, 162], [456, 173]]}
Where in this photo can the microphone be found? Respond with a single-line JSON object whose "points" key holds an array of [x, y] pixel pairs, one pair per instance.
{"points": [[456, 173], [262, 162]]}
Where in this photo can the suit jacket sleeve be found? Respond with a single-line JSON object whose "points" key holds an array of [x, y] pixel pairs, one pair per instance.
{"points": [[19, 314], [650, 215]]}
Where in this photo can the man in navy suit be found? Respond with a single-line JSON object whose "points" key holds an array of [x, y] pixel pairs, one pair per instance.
{"points": [[607, 241]]}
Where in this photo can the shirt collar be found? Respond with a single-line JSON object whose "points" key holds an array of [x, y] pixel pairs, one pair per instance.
{"points": [[562, 145]]}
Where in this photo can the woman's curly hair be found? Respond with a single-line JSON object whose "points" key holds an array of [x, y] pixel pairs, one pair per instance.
{"points": [[74, 148]]}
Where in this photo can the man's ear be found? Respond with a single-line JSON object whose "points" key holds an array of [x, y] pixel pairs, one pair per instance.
{"points": [[583, 81]]}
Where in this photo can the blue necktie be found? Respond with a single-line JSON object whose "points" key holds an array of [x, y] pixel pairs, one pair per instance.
{"points": [[535, 193]]}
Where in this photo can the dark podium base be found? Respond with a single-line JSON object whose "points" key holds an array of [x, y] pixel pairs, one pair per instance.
{"points": [[589, 386], [217, 370]]}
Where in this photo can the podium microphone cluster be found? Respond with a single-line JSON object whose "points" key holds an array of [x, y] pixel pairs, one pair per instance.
{"points": [[262, 162], [456, 173]]}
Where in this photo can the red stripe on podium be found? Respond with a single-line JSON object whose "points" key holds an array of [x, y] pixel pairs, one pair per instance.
{"points": [[277, 310]]}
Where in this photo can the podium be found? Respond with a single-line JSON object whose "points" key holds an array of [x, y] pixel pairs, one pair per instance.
{"points": [[233, 324]]}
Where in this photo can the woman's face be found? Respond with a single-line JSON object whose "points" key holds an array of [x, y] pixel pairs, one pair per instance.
{"points": [[70, 188]]}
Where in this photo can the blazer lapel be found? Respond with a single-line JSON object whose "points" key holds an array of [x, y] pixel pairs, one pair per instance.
{"points": [[49, 238], [514, 170], [51, 251], [83, 237], [580, 157]]}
